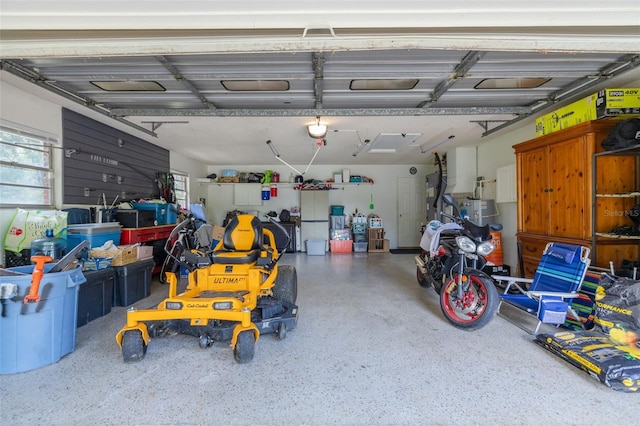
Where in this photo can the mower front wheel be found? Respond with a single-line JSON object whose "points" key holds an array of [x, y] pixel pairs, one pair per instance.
{"points": [[281, 331], [205, 341], [245, 347], [133, 347]]}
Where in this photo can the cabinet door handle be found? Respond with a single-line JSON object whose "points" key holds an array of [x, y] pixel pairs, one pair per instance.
{"points": [[547, 190], [531, 249]]}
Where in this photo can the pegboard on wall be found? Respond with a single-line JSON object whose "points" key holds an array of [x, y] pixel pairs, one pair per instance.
{"points": [[100, 159]]}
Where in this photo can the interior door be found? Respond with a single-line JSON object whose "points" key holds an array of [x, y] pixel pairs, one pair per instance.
{"points": [[411, 211]]}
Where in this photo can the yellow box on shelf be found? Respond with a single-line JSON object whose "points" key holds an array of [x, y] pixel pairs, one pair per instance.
{"points": [[617, 102]]}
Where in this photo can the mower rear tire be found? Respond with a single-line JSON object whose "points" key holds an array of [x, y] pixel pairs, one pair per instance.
{"points": [[285, 287], [245, 347], [133, 347]]}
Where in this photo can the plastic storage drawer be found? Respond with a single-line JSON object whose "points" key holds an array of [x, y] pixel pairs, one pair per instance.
{"points": [[133, 282], [95, 297], [360, 247]]}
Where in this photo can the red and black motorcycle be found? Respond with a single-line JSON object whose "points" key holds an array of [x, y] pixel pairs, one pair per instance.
{"points": [[453, 255]]}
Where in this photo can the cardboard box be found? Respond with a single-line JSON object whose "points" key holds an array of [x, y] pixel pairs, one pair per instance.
{"points": [[218, 232], [144, 252], [123, 256], [617, 102]]}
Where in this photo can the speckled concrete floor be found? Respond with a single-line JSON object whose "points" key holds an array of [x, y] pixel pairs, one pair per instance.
{"points": [[371, 347]]}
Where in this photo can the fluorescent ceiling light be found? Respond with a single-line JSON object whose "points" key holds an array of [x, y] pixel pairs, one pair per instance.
{"points": [[511, 83], [406, 84], [256, 85], [129, 86], [389, 143]]}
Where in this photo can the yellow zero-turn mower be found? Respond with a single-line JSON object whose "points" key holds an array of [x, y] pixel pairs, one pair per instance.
{"points": [[234, 292]]}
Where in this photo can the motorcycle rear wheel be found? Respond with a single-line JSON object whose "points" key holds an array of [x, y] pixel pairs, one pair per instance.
{"points": [[477, 307]]}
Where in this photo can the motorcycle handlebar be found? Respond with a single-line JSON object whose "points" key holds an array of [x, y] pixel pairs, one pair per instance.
{"points": [[454, 218]]}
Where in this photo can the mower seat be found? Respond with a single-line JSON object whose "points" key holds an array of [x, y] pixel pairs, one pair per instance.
{"points": [[241, 242]]}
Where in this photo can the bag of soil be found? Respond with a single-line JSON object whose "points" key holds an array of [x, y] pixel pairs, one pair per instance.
{"points": [[617, 303], [616, 365]]}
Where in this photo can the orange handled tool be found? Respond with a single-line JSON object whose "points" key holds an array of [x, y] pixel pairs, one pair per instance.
{"points": [[36, 277]]}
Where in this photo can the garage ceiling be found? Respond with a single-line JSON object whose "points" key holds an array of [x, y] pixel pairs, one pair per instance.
{"points": [[220, 105]]}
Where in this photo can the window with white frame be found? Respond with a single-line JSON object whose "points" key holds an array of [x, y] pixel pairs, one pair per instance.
{"points": [[26, 169], [181, 187]]}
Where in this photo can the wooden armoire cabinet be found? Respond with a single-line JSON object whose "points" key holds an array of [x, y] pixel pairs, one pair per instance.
{"points": [[555, 191]]}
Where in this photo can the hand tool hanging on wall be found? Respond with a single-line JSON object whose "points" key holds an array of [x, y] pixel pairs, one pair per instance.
{"points": [[172, 188], [160, 182]]}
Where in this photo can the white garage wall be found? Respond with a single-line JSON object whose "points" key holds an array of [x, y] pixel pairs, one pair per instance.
{"points": [[352, 197]]}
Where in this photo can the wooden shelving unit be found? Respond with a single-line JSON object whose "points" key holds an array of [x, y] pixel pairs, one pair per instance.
{"points": [[377, 242], [613, 200]]}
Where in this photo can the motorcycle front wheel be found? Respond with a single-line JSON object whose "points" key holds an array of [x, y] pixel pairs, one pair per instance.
{"points": [[422, 280], [477, 306]]}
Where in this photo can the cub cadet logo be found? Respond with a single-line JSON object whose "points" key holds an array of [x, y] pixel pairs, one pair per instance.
{"points": [[614, 308], [197, 305], [228, 280]]}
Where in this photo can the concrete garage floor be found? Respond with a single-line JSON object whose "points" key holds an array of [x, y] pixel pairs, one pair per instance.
{"points": [[371, 347]]}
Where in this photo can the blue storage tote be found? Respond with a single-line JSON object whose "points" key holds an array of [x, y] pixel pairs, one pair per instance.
{"points": [[337, 210], [96, 233], [38, 334]]}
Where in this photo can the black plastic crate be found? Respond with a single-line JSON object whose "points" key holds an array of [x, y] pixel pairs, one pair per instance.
{"points": [[133, 282], [21, 258], [95, 296]]}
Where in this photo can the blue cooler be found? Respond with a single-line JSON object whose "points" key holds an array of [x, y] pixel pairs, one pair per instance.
{"points": [[96, 233]]}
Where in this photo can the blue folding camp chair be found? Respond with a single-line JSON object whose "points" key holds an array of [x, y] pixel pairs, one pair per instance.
{"points": [[556, 282]]}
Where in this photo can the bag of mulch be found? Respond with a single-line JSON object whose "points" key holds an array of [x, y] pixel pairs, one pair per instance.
{"points": [[614, 364], [617, 303]]}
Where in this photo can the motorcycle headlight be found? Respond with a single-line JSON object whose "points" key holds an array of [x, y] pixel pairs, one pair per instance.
{"points": [[485, 247], [466, 244]]}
